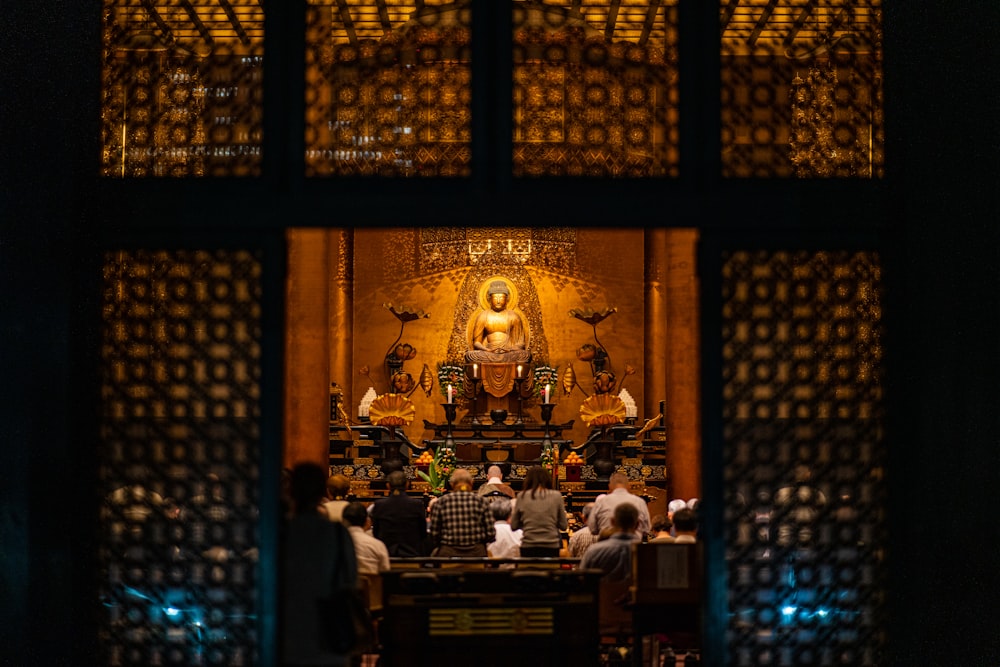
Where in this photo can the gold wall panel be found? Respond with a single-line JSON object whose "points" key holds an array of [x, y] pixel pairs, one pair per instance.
{"points": [[597, 268]]}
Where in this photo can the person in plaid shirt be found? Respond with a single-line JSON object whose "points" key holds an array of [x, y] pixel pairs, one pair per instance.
{"points": [[461, 522]]}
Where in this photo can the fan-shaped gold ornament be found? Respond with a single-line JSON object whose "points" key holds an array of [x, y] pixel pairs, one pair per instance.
{"points": [[392, 410], [602, 410], [568, 379], [426, 380]]}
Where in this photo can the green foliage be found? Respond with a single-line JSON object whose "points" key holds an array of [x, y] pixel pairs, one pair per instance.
{"points": [[440, 470]]}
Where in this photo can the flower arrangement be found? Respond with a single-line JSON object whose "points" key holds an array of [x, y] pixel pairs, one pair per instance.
{"points": [[544, 376], [439, 471], [454, 376], [549, 457]]}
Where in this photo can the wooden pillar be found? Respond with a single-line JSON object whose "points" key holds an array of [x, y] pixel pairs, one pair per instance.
{"points": [[682, 341], [307, 348], [341, 315], [655, 364]]}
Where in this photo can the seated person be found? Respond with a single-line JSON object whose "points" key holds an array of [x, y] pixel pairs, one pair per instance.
{"points": [[613, 555], [495, 485], [661, 529], [618, 494], [370, 552], [508, 541], [400, 520], [686, 526], [338, 487], [461, 524], [582, 537], [498, 335]]}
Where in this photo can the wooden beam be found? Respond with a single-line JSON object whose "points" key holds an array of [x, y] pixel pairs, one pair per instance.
{"points": [[647, 25], [235, 21], [799, 22], [765, 16], [727, 13], [198, 23], [609, 28], [345, 18], [383, 16], [168, 34]]}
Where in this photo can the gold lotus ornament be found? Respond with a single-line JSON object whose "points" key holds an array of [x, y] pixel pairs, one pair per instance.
{"points": [[568, 380], [604, 382], [404, 352], [591, 316], [392, 410], [404, 313], [426, 380], [602, 410]]}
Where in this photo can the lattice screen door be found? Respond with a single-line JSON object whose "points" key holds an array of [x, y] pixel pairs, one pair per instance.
{"points": [[803, 458], [179, 457]]}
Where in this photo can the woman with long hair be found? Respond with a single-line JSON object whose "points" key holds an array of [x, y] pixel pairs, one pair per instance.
{"points": [[540, 513]]}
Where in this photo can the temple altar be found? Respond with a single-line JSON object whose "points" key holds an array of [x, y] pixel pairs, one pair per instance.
{"points": [[452, 272], [511, 445], [497, 386]]}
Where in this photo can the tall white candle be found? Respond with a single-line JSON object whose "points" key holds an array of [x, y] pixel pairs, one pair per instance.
{"points": [[545, 394], [519, 370], [450, 392]]}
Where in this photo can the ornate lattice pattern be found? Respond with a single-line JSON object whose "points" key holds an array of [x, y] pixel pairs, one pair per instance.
{"points": [[393, 99], [389, 89], [181, 88], [447, 248], [804, 458], [178, 457], [591, 89], [802, 89]]}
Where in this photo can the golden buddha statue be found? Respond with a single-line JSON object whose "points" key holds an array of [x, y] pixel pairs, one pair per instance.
{"points": [[498, 334]]}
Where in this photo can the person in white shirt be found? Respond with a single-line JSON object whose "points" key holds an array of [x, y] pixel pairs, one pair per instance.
{"points": [[508, 541], [371, 552], [337, 488], [618, 493]]}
